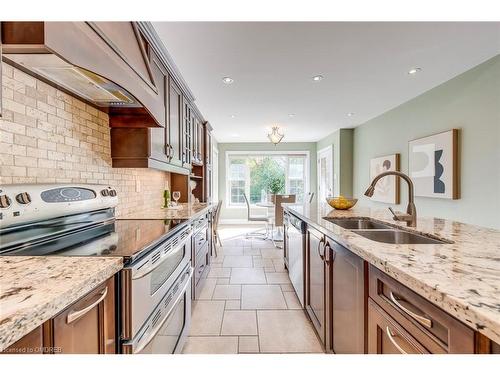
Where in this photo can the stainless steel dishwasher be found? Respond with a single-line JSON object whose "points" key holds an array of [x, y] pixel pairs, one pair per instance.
{"points": [[295, 230]]}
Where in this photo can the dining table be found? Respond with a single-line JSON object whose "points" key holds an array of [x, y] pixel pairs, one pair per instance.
{"points": [[277, 232]]}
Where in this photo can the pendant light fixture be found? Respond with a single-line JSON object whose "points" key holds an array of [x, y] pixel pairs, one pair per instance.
{"points": [[275, 136]]}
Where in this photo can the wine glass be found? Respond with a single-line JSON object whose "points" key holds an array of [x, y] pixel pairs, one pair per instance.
{"points": [[176, 195]]}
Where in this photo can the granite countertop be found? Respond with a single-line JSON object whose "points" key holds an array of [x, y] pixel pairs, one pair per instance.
{"points": [[185, 211], [462, 278], [34, 289]]}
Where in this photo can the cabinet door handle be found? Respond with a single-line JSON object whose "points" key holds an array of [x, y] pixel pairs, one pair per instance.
{"points": [[322, 256], [391, 338], [74, 315], [419, 318], [333, 252]]}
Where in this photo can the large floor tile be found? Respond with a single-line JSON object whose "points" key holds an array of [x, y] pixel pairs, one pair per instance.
{"points": [[287, 287], [279, 265], [239, 322], [219, 272], [277, 278], [292, 301], [237, 250], [251, 251], [211, 345], [247, 276], [207, 289], [224, 292], [222, 280], [237, 261], [218, 259], [258, 261], [248, 344], [262, 244], [286, 331], [207, 318], [262, 297], [233, 304], [272, 253]]}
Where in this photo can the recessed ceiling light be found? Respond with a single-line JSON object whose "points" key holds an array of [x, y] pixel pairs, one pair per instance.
{"points": [[350, 114], [318, 78], [227, 80], [414, 71], [233, 116], [291, 115]]}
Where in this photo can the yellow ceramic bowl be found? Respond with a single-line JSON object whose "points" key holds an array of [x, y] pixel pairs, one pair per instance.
{"points": [[341, 203]]}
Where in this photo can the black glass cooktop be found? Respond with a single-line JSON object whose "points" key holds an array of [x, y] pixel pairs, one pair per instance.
{"points": [[83, 237]]}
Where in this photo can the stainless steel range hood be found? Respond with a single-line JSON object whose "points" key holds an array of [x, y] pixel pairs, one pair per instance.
{"points": [[103, 63], [81, 82]]}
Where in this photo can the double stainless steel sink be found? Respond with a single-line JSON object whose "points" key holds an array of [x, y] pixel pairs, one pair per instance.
{"points": [[380, 232]]}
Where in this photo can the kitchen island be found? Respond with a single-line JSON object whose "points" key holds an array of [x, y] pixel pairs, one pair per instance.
{"points": [[461, 277]]}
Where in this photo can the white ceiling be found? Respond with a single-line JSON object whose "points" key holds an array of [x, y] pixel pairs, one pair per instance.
{"points": [[365, 67]]}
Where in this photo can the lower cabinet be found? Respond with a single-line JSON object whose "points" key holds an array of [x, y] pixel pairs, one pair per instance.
{"points": [[32, 343], [317, 282], [435, 330], [200, 254], [348, 294], [335, 294], [85, 327], [385, 336]]}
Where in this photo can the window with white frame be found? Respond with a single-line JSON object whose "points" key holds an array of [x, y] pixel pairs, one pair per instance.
{"points": [[258, 174]]}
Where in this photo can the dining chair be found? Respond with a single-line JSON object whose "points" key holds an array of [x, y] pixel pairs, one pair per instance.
{"points": [[278, 213], [215, 226], [256, 218]]}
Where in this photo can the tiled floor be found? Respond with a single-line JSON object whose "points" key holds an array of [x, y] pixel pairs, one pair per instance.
{"points": [[247, 304]]}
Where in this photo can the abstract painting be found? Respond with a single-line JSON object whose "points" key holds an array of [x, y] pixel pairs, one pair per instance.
{"points": [[387, 188], [433, 165]]}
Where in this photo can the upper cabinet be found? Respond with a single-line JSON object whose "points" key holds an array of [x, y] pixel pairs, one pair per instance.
{"points": [[174, 126], [105, 64]]}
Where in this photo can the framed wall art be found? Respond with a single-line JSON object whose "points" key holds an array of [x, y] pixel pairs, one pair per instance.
{"points": [[433, 165], [387, 188]]}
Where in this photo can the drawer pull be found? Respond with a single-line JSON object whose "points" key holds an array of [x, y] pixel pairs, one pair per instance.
{"points": [[74, 315], [391, 338], [422, 320]]}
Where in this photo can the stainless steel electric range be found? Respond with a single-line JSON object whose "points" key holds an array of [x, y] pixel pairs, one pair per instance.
{"points": [[154, 287]]}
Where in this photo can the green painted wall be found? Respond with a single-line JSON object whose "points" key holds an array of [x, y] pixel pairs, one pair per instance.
{"points": [[342, 149], [235, 214], [470, 102]]}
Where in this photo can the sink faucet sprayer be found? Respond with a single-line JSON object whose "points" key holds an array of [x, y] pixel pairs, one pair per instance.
{"points": [[411, 211]]}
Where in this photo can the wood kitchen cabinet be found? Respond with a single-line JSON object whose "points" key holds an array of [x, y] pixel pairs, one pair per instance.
{"points": [[187, 132], [385, 336], [335, 294], [85, 327], [348, 299], [174, 123], [208, 163], [318, 286], [158, 145], [433, 329], [31, 343], [88, 325]]}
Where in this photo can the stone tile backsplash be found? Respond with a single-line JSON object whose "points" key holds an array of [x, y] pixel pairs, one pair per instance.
{"points": [[47, 136]]}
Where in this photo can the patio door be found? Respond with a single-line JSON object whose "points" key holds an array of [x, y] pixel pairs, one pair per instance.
{"points": [[325, 173]]}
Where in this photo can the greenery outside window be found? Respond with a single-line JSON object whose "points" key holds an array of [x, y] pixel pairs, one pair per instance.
{"points": [[258, 174]]}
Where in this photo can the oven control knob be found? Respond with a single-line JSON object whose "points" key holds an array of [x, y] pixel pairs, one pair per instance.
{"points": [[5, 201], [112, 193], [23, 198], [105, 192]]}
